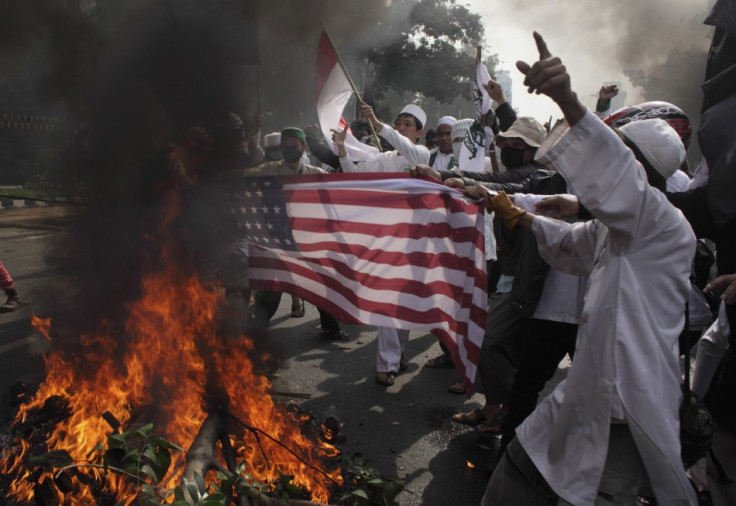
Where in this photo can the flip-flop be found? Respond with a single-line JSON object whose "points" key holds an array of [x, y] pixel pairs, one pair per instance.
{"points": [[495, 425], [385, 378], [403, 363], [439, 362], [457, 387], [475, 417], [297, 308]]}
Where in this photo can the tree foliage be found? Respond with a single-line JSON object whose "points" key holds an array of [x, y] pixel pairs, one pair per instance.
{"points": [[432, 55]]}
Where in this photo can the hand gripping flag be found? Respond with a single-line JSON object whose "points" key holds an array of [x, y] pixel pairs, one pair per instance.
{"points": [[375, 249]]}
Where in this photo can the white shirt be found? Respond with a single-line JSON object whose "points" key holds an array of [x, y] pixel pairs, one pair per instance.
{"points": [[637, 253], [562, 294], [442, 161], [406, 155]]}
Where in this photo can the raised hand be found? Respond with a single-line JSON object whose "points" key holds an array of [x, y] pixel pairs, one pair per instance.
{"points": [[607, 92], [338, 137], [549, 76], [366, 111], [495, 92]]}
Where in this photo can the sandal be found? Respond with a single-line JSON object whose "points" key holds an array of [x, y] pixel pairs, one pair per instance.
{"points": [[457, 387], [443, 360], [340, 335], [494, 425], [475, 417], [385, 378], [403, 363], [297, 307]]}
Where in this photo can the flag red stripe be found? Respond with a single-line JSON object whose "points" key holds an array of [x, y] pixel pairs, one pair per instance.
{"points": [[399, 231], [326, 61], [396, 259]]}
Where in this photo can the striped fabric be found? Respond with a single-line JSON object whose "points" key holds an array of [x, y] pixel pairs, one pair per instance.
{"points": [[376, 249]]}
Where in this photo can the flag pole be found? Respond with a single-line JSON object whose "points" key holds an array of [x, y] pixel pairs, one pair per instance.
{"points": [[352, 85]]}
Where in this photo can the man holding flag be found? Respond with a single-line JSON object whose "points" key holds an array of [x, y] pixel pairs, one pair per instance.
{"points": [[334, 89], [408, 129]]}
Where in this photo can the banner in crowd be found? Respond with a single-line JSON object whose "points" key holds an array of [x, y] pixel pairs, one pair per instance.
{"points": [[375, 249]]}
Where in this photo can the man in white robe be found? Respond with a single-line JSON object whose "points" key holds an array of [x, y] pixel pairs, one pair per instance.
{"points": [[408, 129], [613, 425]]}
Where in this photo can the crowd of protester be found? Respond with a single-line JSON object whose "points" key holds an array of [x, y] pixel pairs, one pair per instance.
{"points": [[601, 246]]}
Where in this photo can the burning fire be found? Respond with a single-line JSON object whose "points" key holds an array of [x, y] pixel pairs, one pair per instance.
{"points": [[158, 373]]}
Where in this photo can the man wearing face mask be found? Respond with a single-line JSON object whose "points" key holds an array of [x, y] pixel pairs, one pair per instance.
{"points": [[518, 145], [293, 147], [505, 313]]}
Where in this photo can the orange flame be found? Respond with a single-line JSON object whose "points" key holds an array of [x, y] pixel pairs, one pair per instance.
{"points": [[157, 373], [43, 325]]}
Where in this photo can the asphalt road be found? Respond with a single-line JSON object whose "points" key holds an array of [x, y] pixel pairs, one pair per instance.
{"points": [[404, 431]]}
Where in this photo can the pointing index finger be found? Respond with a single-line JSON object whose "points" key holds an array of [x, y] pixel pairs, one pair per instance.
{"points": [[541, 47]]}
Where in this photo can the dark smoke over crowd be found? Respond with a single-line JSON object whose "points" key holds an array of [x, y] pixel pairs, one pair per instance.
{"points": [[135, 75]]}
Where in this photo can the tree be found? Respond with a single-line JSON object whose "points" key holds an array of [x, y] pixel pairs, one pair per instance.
{"points": [[431, 55]]}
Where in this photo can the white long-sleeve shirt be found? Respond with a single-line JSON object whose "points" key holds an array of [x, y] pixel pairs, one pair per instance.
{"points": [[637, 254], [406, 155]]}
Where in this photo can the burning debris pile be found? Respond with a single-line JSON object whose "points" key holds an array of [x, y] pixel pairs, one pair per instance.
{"points": [[172, 370], [147, 367]]}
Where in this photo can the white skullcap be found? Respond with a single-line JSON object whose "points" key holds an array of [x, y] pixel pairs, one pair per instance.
{"points": [[446, 120], [415, 111], [658, 142], [272, 140]]}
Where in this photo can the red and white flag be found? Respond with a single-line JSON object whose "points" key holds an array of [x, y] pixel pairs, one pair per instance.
{"points": [[377, 249], [333, 93]]}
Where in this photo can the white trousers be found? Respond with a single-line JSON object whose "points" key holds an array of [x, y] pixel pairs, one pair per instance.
{"points": [[391, 344]]}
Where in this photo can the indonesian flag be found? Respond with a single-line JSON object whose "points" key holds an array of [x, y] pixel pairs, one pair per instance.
{"points": [[333, 93], [377, 249]]}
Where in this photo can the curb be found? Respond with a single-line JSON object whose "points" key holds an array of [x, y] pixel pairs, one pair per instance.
{"points": [[13, 203]]}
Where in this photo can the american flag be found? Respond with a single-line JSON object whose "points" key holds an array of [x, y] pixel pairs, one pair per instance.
{"points": [[377, 249]]}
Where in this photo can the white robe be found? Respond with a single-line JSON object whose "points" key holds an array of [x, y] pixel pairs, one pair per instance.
{"points": [[391, 341], [637, 254]]}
